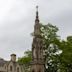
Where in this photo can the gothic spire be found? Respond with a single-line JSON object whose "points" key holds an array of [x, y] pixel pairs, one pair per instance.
{"points": [[37, 17]]}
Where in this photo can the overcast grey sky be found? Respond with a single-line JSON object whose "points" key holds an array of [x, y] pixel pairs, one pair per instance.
{"points": [[17, 21]]}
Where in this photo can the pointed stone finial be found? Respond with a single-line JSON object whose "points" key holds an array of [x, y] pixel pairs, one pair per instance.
{"points": [[37, 17]]}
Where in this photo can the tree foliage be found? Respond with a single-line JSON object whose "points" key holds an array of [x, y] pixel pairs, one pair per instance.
{"points": [[52, 51], [57, 52], [66, 56], [26, 58]]}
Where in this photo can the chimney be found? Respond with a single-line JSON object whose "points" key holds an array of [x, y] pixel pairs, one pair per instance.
{"points": [[13, 57]]}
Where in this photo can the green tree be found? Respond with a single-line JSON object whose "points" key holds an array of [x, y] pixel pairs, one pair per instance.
{"points": [[57, 52], [25, 60], [52, 53], [66, 56]]}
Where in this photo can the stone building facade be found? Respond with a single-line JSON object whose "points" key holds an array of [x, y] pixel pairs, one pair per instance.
{"points": [[11, 66]]}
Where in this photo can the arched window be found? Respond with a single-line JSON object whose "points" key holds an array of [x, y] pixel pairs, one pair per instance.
{"points": [[5, 67], [18, 69], [10, 68]]}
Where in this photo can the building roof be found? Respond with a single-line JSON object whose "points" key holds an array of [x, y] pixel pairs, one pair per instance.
{"points": [[2, 62]]}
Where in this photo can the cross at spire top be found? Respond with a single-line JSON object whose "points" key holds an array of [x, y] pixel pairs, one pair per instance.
{"points": [[37, 17], [37, 8]]}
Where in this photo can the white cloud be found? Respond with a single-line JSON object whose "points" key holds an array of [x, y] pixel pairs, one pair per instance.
{"points": [[5, 6], [17, 21]]}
